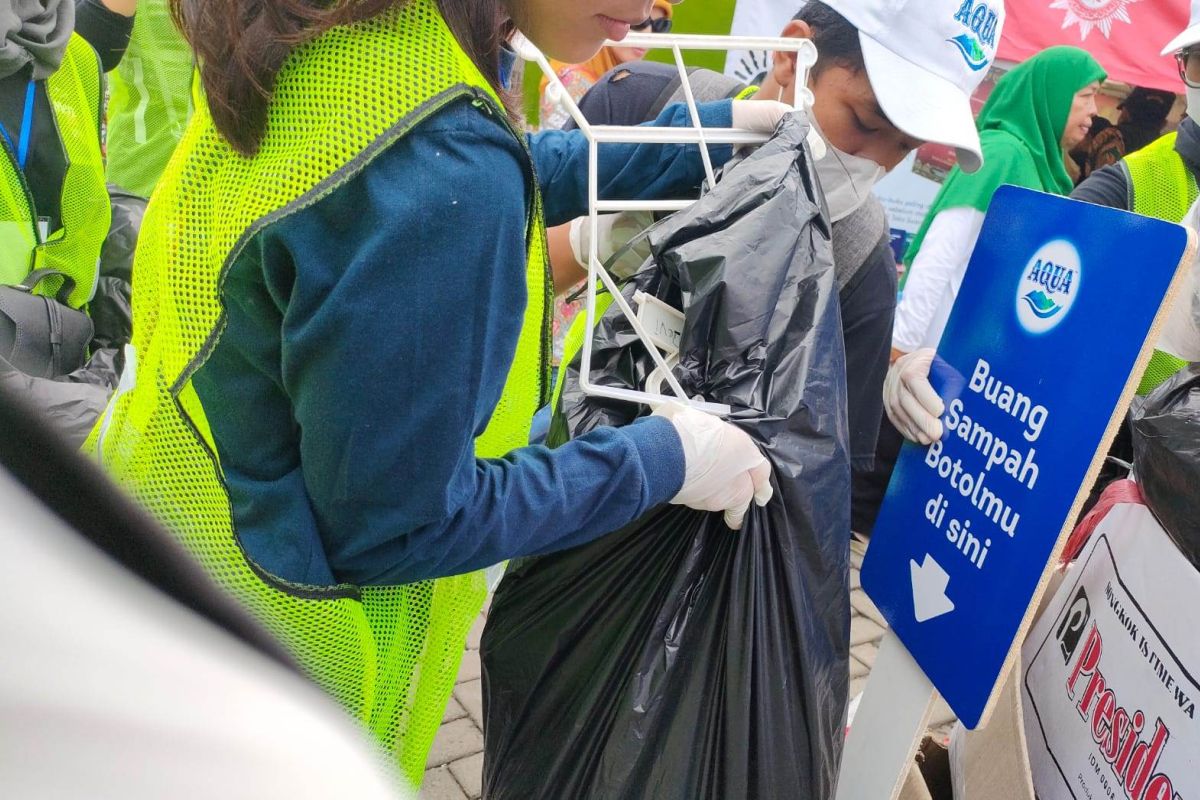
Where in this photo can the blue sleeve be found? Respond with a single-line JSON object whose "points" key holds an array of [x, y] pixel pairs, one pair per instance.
{"points": [[405, 296], [626, 171]]}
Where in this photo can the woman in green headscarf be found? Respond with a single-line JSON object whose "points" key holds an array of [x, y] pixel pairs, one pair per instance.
{"points": [[1036, 112]]}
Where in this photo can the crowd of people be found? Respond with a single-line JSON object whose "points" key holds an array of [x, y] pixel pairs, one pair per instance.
{"points": [[321, 367]]}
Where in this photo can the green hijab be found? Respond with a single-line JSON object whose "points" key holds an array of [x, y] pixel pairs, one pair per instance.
{"points": [[1020, 130]]}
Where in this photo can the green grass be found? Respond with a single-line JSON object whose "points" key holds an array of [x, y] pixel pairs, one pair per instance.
{"points": [[700, 16], [693, 16]]}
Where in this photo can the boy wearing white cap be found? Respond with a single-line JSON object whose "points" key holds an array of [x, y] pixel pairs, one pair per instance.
{"points": [[889, 76], [1160, 181]]}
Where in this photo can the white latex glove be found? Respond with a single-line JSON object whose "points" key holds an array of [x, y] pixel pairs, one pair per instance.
{"points": [[760, 116], [724, 468], [909, 399], [579, 235], [615, 231]]}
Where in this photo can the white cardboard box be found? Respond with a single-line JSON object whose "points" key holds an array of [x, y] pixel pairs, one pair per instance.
{"points": [[1112, 671]]}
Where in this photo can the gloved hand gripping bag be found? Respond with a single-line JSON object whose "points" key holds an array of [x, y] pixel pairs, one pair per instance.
{"points": [[676, 658], [1166, 458]]}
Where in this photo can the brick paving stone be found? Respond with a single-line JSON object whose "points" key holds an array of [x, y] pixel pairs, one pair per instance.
{"points": [[470, 669], [439, 784], [863, 605], [857, 685], [475, 633], [453, 711], [864, 630], [469, 774], [455, 740], [865, 653], [470, 695]]}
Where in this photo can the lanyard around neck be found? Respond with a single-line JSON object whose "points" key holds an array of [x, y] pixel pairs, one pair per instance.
{"points": [[22, 145]]}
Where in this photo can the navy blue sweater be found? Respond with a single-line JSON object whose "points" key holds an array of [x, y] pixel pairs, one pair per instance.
{"points": [[368, 340]]}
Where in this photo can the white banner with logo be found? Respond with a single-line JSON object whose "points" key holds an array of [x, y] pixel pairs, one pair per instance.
{"points": [[757, 18], [906, 195], [1112, 670]]}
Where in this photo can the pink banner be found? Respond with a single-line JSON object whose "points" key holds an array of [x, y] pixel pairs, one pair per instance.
{"points": [[1124, 35]]}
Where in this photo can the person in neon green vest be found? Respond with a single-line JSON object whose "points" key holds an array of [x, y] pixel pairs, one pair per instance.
{"points": [[340, 322], [1160, 179], [55, 210], [150, 100]]}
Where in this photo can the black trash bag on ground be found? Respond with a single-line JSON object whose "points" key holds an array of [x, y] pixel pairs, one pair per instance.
{"points": [[677, 658], [1166, 458]]}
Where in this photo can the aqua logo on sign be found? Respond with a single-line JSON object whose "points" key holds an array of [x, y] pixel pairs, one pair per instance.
{"points": [[1048, 286], [981, 22]]}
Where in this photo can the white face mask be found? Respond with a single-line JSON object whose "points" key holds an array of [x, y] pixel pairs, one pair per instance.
{"points": [[1193, 101], [845, 179]]}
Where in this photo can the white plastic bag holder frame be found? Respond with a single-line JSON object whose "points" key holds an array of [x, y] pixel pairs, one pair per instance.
{"points": [[806, 56]]}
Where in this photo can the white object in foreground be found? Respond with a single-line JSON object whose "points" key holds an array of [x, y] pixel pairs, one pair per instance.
{"points": [[1112, 670], [806, 56], [888, 726]]}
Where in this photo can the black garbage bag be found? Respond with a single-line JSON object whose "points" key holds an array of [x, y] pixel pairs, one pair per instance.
{"points": [[112, 307], [676, 658], [1166, 458]]}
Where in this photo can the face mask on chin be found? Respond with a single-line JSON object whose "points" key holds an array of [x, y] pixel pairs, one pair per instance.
{"points": [[845, 179], [1193, 104]]}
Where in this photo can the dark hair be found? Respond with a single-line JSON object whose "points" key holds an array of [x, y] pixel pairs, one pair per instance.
{"points": [[836, 39], [242, 44]]}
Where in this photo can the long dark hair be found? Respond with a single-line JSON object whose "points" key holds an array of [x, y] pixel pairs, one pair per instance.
{"points": [[242, 44]]}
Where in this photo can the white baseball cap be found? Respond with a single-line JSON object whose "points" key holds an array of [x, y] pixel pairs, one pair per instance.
{"points": [[1190, 36], [925, 58]]}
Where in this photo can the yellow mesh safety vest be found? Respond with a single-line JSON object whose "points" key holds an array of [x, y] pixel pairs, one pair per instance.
{"points": [[150, 100], [74, 249], [389, 655], [573, 342], [1164, 188]]}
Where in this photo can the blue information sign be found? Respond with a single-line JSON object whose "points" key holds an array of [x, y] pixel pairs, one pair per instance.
{"points": [[1053, 313]]}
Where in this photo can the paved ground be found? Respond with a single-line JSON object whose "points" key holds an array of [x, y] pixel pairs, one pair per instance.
{"points": [[455, 765], [454, 769]]}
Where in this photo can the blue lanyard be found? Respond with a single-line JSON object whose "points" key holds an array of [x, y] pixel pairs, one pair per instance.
{"points": [[22, 147]]}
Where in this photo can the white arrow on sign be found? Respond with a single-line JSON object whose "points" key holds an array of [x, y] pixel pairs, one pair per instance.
{"points": [[929, 589]]}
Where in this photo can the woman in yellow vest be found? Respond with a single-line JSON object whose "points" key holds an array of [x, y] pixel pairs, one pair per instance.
{"points": [[340, 331], [578, 78], [55, 209]]}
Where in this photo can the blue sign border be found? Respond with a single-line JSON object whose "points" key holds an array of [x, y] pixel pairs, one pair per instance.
{"points": [[1078, 370]]}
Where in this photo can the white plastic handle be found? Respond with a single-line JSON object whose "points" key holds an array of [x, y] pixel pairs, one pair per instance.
{"points": [[806, 56]]}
